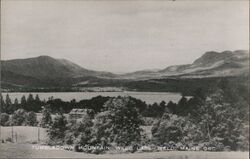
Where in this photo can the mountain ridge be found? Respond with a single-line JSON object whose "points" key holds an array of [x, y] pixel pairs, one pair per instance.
{"points": [[47, 67], [45, 71]]}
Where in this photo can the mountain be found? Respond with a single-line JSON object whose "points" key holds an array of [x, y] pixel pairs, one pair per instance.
{"points": [[45, 67], [47, 72], [213, 64], [143, 74], [210, 64]]}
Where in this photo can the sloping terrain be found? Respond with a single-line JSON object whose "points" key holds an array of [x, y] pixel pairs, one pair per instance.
{"points": [[211, 64], [48, 72]]}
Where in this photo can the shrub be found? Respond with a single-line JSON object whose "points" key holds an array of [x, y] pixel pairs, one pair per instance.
{"points": [[31, 119], [18, 118], [4, 119]]}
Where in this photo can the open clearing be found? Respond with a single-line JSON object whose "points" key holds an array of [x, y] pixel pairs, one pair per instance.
{"points": [[23, 134], [27, 135]]}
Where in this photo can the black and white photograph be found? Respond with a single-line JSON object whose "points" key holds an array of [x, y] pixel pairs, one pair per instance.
{"points": [[130, 79]]}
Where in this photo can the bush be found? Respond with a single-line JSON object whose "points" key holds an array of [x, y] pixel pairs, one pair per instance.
{"points": [[31, 119], [4, 119], [19, 117]]}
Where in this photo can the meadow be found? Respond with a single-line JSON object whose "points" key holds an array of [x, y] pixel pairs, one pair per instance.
{"points": [[27, 135], [24, 134], [25, 151]]}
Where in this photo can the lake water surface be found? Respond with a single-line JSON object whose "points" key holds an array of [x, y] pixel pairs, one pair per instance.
{"points": [[148, 97]]}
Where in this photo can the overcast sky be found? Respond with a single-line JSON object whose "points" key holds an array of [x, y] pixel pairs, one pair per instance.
{"points": [[122, 36]]}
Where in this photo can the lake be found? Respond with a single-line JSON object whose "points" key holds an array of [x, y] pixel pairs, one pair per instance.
{"points": [[148, 97]]}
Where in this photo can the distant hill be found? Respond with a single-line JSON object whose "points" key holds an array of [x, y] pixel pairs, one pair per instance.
{"points": [[211, 64], [48, 72], [45, 67]]}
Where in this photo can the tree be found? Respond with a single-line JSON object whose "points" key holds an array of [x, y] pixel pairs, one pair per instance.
{"points": [[57, 130], [31, 119], [175, 129], [30, 103], [2, 106], [221, 123], [8, 103], [37, 99], [18, 118], [37, 104], [80, 133], [16, 101], [169, 130], [182, 106], [162, 106], [30, 99], [15, 105], [23, 102], [119, 123], [171, 107], [46, 117]]}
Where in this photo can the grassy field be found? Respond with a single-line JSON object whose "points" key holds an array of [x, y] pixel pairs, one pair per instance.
{"points": [[11, 150], [27, 135], [23, 134]]}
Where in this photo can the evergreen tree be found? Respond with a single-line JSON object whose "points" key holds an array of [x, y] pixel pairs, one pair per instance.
{"points": [[2, 106], [16, 101], [46, 117], [182, 106], [37, 103], [57, 130], [8, 104], [171, 107], [162, 108], [23, 102], [30, 99], [15, 105], [37, 99], [30, 103]]}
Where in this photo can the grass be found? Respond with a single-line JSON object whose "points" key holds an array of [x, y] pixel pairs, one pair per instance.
{"points": [[11, 150], [27, 135], [23, 134]]}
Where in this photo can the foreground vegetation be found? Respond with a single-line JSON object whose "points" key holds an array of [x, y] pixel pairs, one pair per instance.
{"points": [[214, 121]]}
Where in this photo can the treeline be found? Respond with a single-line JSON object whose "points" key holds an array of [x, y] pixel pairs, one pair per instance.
{"points": [[30, 103], [96, 104], [187, 86], [34, 104]]}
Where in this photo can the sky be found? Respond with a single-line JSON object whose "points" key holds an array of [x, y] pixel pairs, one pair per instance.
{"points": [[122, 36]]}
